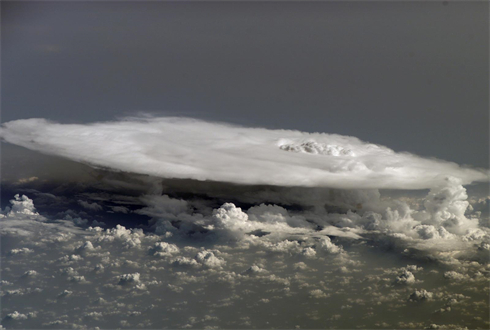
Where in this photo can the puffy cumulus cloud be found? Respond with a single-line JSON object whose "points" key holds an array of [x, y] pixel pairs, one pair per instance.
{"points": [[274, 214], [446, 205], [419, 295], [21, 218], [22, 207], [254, 269], [406, 277], [86, 248], [444, 231], [65, 293], [443, 227], [16, 316], [231, 219], [209, 259], [21, 251], [193, 149], [163, 249], [130, 238], [226, 223], [432, 232], [317, 293], [455, 276], [88, 278], [30, 273], [126, 279], [327, 245]]}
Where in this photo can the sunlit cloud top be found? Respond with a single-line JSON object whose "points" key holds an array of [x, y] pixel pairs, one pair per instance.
{"points": [[185, 148]]}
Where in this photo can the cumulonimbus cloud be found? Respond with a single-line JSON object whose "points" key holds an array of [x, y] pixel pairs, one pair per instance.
{"points": [[186, 148]]}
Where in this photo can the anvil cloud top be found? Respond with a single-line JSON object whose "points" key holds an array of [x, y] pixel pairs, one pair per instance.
{"points": [[184, 148]]}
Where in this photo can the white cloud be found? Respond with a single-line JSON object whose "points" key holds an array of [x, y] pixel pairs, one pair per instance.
{"points": [[406, 277], [65, 293], [455, 276], [129, 279], [317, 293], [194, 149], [163, 249], [129, 237], [327, 245], [22, 207], [87, 246], [89, 278], [309, 252], [431, 232], [209, 259], [254, 269], [20, 251], [30, 273], [419, 295], [16, 316]]}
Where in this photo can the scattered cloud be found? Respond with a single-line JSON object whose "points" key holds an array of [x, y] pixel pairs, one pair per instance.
{"points": [[57, 274]]}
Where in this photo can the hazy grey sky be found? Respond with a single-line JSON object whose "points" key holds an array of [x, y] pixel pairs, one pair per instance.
{"points": [[409, 75]]}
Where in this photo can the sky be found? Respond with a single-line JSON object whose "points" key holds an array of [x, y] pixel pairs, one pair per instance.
{"points": [[409, 75], [244, 165]]}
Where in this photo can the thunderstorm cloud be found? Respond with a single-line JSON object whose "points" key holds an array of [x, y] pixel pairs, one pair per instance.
{"points": [[183, 223], [193, 149]]}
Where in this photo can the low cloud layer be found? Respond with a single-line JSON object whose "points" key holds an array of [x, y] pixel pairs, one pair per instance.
{"points": [[193, 149], [234, 275]]}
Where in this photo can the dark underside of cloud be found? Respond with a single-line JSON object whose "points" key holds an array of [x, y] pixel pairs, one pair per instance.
{"points": [[179, 223]]}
